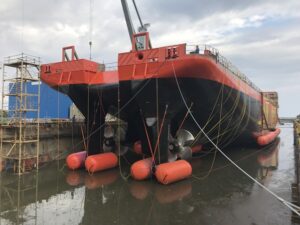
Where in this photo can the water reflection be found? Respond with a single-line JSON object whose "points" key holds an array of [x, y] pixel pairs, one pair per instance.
{"points": [[268, 161], [216, 194], [33, 197]]}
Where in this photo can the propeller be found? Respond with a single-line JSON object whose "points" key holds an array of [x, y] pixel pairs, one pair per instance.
{"points": [[185, 140], [112, 138], [184, 137], [119, 138], [179, 147]]}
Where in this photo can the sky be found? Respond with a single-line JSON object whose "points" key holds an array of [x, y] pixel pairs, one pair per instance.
{"points": [[260, 37]]}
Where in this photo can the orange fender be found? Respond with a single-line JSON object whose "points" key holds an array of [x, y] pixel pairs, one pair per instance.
{"points": [[142, 169], [268, 138], [171, 172], [100, 162], [76, 160]]}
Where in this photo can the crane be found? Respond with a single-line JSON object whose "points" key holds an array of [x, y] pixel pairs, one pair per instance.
{"points": [[143, 27]]}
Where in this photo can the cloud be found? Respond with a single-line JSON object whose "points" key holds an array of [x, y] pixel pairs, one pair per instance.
{"points": [[260, 37]]}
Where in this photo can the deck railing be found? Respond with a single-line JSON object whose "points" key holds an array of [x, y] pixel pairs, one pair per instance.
{"points": [[220, 59], [212, 52], [111, 66]]}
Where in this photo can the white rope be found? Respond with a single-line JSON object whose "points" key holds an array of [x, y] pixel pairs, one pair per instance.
{"points": [[288, 204]]}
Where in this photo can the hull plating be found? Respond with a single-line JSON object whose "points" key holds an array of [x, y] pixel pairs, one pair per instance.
{"points": [[227, 115]]}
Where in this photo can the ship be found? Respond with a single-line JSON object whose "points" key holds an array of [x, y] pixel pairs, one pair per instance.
{"points": [[164, 95]]}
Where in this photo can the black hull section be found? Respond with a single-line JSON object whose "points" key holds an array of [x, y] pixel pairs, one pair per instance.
{"points": [[228, 116], [95, 101], [220, 110]]}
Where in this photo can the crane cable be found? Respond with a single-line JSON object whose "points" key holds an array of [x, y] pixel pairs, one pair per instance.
{"points": [[288, 204], [137, 13], [91, 27]]}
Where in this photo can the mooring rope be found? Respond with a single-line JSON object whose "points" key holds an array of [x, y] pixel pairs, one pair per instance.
{"points": [[288, 204], [119, 139], [218, 135], [125, 105], [159, 134], [229, 113], [147, 134], [184, 119]]}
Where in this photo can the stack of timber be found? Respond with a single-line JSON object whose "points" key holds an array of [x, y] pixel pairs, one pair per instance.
{"points": [[295, 186]]}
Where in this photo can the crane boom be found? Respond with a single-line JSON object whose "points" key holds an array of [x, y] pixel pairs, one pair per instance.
{"points": [[130, 27], [131, 31]]}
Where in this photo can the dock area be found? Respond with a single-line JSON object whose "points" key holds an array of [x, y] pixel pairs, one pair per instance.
{"points": [[37, 124], [217, 193], [57, 139]]}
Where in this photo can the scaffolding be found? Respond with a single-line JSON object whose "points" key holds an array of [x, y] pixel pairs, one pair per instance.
{"points": [[20, 112]]}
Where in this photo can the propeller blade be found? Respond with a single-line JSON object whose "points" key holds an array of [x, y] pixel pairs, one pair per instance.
{"points": [[184, 138], [172, 156], [150, 121], [186, 153], [109, 132]]}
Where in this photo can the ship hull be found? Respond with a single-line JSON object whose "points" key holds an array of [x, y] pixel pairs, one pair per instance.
{"points": [[229, 116], [152, 91]]}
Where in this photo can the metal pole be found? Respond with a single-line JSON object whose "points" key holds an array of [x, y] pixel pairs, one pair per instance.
{"points": [[1, 160], [20, 117], [36, 195], [2, 119], [38, 121]]}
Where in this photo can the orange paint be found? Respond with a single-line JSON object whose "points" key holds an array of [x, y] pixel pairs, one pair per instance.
{"points": [[197, 148], [102, 161], [154, 64], [76, 160], [268, 138], [171, 172], [141, 169]]}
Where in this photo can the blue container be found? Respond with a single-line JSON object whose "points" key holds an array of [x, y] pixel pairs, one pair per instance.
{"points": [[53, 104]]}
